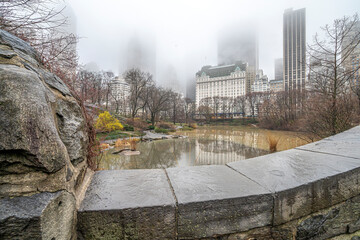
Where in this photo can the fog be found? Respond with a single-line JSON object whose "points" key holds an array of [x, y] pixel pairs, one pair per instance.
{"points": [[174, 39]]}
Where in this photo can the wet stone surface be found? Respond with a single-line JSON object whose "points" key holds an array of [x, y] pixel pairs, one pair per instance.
{"points": [[303, 181], [215, 200], [344, 144], [135, 204], [39, 216], [294, 194]]}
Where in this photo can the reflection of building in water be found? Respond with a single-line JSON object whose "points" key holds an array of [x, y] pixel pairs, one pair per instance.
{"points": [[210, 152]]}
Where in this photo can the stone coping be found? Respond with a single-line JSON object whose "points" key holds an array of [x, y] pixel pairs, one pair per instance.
{"points": [[207, 201]]}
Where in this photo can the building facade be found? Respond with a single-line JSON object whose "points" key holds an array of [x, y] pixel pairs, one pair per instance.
{"points": [[221, 81], [294, 49], [261, 83], [276, 85], [279, 69], [120, 92]]}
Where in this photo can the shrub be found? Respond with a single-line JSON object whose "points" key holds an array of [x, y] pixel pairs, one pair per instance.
{"points": [[107, 123], [137, 123], [133, 143], [121, 143], [111, 135], [104, 146], [165, 125], [273, 142], [186, 128], [151, 127], [127, 143], [161, 130], [193, 125], [128, 127]]}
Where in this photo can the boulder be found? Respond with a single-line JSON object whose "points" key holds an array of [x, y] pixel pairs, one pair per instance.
{"points": [[43, 144], [27, 124], [41, 216]]}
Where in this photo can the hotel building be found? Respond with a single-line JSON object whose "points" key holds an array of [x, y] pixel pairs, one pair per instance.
{"points": [[221, 81]]}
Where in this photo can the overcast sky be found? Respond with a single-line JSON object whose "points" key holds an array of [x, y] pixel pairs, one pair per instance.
{"points": [[185, 31]]}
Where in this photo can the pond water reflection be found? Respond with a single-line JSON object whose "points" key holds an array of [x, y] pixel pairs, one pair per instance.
{"points": [[204, 146]]}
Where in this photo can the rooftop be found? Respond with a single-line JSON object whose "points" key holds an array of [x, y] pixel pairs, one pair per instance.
{"points": [[222, 70]]}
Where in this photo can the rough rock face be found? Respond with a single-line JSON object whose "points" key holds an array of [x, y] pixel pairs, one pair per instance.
{"points": [[40, 216], [43, 139]]}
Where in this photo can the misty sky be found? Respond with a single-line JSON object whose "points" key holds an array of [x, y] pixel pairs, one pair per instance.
{"points": [[185, 32]]}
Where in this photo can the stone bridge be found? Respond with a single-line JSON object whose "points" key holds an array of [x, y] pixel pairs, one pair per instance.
{"points": [[310, 192]]}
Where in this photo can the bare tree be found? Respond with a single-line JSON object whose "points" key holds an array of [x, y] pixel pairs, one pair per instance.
{"points": [[224, 106], [157, 102], [139, 82], [275, 111], [106, 76], [86, 86], [26, 16], [176, 105], [330, 77], [240, 105], [216, 101], [189, 107], [205, 109], [44, 27], [251, 100]]}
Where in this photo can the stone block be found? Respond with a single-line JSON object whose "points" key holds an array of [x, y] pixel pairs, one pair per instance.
{"points": [[337, 220], [303, 182], [216, 200], [343, 144], [40, 216], [128, 204]]}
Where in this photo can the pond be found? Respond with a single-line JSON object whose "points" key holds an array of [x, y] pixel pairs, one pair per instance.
{"points": [[203, 146]]}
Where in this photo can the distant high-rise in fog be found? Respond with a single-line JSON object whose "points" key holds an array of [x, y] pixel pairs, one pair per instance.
{"points": [[294, 49], [277, 84], [191, 89], [141, 54], [239, 43], [279, 70]]}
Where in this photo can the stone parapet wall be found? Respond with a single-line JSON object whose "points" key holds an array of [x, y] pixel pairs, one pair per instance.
{"points": [[310, 192]]}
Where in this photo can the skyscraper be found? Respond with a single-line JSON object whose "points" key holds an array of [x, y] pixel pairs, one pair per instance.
{"points": [[294, 49], [141, 53], [239, 43], [277, 84], [279, 69]]}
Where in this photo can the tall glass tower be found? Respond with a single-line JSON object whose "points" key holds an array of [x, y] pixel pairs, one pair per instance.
{"points": [[294, 49]]}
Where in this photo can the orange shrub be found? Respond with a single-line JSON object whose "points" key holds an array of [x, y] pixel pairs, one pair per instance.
{"points": [[121, 143], [193, 125], [104, 146]]}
